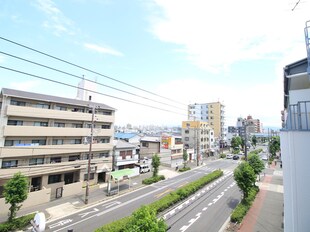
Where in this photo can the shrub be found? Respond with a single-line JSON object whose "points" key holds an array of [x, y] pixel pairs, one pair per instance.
{"points": [[116, 226], [17, 223], [241, 210], [152, 180], [184, 169], [223, 156]]}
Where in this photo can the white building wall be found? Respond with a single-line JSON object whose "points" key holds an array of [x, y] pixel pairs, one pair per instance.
{"points": [[299, 95], [296, 173]]}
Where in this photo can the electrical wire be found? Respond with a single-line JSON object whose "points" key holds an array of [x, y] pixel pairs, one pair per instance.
{"points": [[89, 70], [82, 78], [72, 86]]}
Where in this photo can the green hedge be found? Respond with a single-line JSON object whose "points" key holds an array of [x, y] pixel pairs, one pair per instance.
{"points": [[17, 223], [152, 180], [184, 169], [241, 210], [167, 201], [223, 156]]}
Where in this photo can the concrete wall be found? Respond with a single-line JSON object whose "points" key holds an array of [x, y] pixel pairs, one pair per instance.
{"points": [[72, 189], [34, 198], [296, 176]]}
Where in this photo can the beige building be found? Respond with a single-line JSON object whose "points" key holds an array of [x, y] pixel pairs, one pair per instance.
{"points": [[197, 136], [213, 113], [47, 139]]}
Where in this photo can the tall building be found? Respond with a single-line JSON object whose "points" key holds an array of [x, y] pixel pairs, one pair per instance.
{"points": [[86, 89], [213, 113], [46, 138], [198, 135], [295, 137]]}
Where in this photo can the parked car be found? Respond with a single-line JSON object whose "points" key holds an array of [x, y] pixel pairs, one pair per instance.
{"points": [[236, 157], [229, 156]]}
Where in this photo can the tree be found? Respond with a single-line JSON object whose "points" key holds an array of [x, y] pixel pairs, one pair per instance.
{"points": [[274, 145], [235, 141], [15, 192], [155, 164], [185, 157], [254, 141], [256, 163], [245, 177], [144, 220]]}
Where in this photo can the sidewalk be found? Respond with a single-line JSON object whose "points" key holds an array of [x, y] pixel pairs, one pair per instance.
{"points": [[265, 214]]}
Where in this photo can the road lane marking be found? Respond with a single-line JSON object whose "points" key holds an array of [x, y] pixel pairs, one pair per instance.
{"points": [[163, 193], [85, 214], [60, 223]]}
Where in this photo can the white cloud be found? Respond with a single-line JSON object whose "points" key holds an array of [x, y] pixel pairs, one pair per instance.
{"points": [[104, 50], [216, 34], [56, 20]]}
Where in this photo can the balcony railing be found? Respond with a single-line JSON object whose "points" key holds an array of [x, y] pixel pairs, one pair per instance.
{"points": [[298, 117]]}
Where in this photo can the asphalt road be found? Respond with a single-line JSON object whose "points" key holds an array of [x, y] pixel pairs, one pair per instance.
{"points": [[88, 219]]}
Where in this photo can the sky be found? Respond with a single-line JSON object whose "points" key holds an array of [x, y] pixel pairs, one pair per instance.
{"points": [[169, 53]]}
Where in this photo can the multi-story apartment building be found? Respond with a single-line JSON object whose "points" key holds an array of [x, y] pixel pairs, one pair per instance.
{"points": [[295, 137], [213, 113], [197, 135], [125, 155], [47, 138]]}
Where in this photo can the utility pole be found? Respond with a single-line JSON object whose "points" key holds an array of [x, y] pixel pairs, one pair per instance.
{"points": [[245, 143], [89, 154]]}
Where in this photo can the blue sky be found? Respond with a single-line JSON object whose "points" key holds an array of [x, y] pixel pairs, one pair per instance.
{"points": [[189, 51]]}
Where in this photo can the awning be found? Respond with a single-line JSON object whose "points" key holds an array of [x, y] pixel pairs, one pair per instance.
{"points": [[120, 174]]}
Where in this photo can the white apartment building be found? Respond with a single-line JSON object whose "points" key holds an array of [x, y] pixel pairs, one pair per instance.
{"points": [[199, 136], [295, 137], [213, 113], [46, 138]]}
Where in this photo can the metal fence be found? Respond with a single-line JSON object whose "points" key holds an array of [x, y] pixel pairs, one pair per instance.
{"points": [[298, 117]]}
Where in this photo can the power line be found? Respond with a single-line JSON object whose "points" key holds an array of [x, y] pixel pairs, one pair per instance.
{"points": [[89, 70], [295, 5], [72, 86], [76, 76]]}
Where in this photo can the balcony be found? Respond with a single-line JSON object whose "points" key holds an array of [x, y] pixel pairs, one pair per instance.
{"points": [[37, 131], [298, 117], [31, 112]]}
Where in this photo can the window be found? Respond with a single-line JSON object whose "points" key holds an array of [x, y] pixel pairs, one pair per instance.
{"points": [[42, 105], [59, 124], [186, 131], [105, 140], [178, 141], [104, 154], [87, 155], [77, 110], [9, 163], [15, 123], [186, 138], [145, 144], [58, 141], [77, 125], [9, 143], [77, 141], [39, 141], [107, 112], [55, 160], [54, 179], [40, 124], [106, 127], [36, 161], [91, 176], [74, 157], [61, 108], [123, 154], [18, 103], [188, 124]]}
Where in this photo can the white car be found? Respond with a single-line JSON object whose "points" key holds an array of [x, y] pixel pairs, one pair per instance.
{"points": [[229, 156]]}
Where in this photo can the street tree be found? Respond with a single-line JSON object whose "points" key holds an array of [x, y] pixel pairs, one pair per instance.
{"points": [[144, 220], [254, 141], [256, 163], [245, 177], [185, 157], [274, 145], [236, 141], [155, 164], [15, 192]]}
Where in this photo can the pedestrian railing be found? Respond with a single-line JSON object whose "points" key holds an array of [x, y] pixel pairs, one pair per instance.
{"points": [[298, 116]]}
